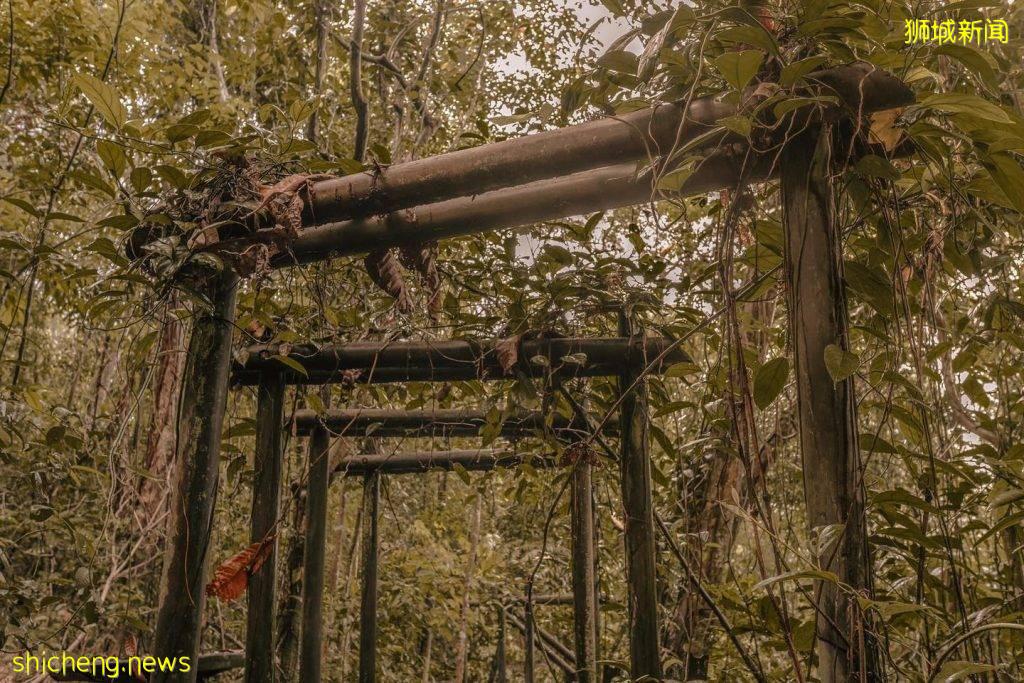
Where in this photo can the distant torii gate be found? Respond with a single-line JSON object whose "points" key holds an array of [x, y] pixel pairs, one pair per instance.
{"points": [[572, 171]]}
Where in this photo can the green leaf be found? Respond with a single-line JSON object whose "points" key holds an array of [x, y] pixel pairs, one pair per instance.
{"points": [[1008, 175], [957, 670], [793, 103], [113, 157], [739, 68], [770, 380], [619, 60], [962, 103], [674, 180], [174, 177], [975, 60], [290, 362], [791, 73], [740, 125], [874, 166], [871, 283], [749, 35], [23, 205], [840, 363], [103, 98], [815, 574]]}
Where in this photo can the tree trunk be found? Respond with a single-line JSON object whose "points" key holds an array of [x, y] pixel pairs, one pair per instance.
{"points": [[463, 638], [200, 418], [160, 439], [827, 410]]}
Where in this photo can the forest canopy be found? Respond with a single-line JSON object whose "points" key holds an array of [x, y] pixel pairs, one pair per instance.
{"points": [[706, 364]]}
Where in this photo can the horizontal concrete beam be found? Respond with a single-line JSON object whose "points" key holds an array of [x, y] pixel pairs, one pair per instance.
{"points": [[448, 361], [418, 463], [642, 134], [415, 423]]}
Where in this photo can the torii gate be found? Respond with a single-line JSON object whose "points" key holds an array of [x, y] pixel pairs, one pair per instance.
{"points": [[556, 174]]}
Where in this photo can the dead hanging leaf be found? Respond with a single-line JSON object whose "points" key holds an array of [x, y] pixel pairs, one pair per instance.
{"points": [[255, 259], [232, 578], [507, 350], [882, 131], [284, 201], [385, 271], [422, 259]]}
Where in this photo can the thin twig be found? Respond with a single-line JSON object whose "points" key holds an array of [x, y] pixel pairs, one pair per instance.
{"points": [[356, 80]]}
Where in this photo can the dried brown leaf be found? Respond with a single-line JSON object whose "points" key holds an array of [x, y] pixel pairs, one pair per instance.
{"points": [[508, 352], [231, 579], [385, 271]]}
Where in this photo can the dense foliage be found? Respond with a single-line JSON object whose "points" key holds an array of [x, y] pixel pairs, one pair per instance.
{"points": [[114, 109]]}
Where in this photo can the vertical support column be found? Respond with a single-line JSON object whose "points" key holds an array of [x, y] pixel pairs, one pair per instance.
{"points": [[204, 395], [826, 409], [368, 605], [634, 461], [583, 584], [311, 648], [266, 495]]}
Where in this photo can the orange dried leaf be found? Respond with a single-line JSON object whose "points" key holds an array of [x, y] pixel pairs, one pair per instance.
{"points": [[231, 579]]}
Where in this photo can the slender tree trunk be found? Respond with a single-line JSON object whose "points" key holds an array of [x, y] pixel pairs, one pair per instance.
{"points": [[101, 387], [200, 419], [463, 638], [321, 65], [827, 410], [160, 438], [428, 649]]}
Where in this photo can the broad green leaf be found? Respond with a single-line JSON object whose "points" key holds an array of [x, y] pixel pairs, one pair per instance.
{"points": [[739, 68], [841, 364], [816, 574], [974, 59], [740, 125], [1008, 175], [112, 156], [619, 60], [769, 381], [958, 670], [874, 166], [794, 103], [673, 181], [291, 363], [23, 205], [871, 283], [792, 73], [962, 103], [103, 98]]}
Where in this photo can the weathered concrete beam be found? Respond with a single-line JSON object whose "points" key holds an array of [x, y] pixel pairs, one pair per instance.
{"points": [[458, 360], [436, 422], [416, 463], [647, 133]]}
